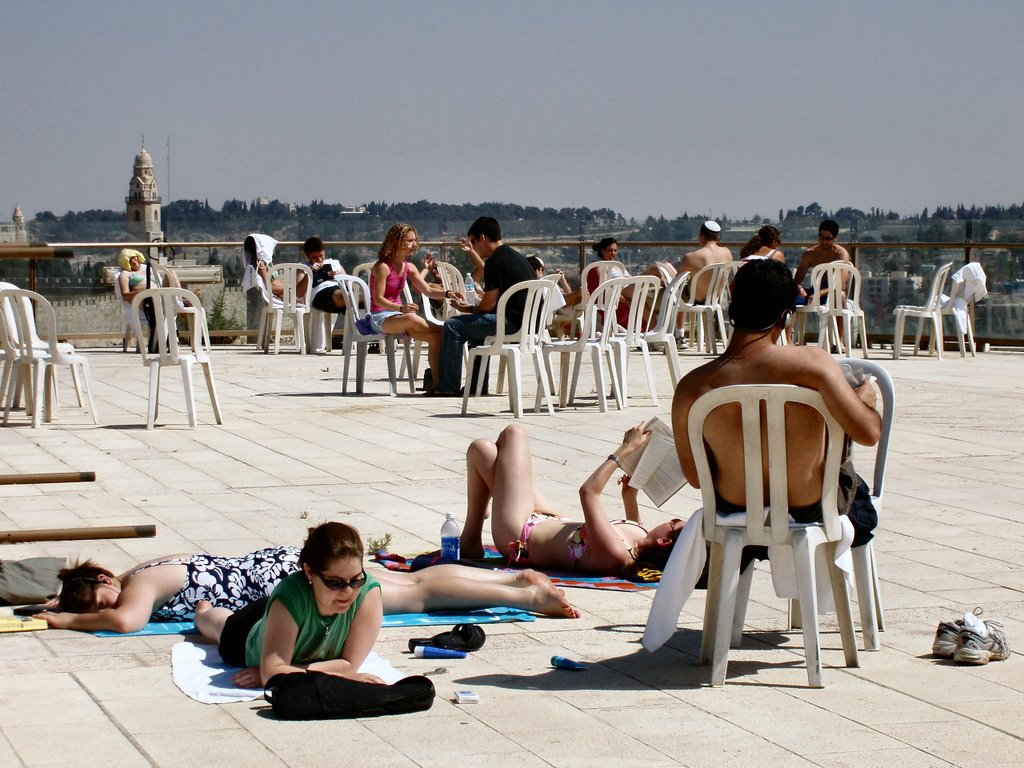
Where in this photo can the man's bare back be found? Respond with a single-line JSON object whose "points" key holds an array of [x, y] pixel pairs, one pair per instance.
{"points": [[694, 261], [754, 357]]}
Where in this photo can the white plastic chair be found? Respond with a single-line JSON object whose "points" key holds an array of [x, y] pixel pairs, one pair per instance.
{"points": [[597, 330], [930, 311], [321, 324], [644, 291], [865, 565], [290, 305], [702, 319], [811, 309], [664, 330], [9, 340], [37, 357], [158, 278], [965, 337], [168, 304], [10, 349], [363, 272], [841, 303], [451, 277], [512, 347], [728, 534], [605, 270], [357, 299]]}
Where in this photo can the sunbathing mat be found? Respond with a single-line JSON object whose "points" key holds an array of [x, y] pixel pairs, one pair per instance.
{"points": [[201, 674], [492, 559], [21, 624], [437, 618]]}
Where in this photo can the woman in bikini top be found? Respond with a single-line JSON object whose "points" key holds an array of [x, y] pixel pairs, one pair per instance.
{"points": [[763, 245], [527, 531]]}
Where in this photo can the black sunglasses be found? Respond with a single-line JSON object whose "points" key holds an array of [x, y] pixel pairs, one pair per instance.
{"points": [[336, 585]]}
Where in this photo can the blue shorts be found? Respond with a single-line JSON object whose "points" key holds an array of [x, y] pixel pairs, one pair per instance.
{"points": [[377, 318]]}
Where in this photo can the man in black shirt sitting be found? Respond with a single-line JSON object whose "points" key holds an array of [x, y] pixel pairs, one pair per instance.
{"points": [[504, 267]]}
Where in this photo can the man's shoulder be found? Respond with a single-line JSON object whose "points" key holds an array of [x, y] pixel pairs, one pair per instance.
{"points": [[791, 364], [509, 262], [694, 260], [810, 254], [721, 255]]}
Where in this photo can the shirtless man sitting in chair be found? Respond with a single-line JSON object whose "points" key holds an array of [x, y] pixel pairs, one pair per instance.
{"points": [[763, 297]]}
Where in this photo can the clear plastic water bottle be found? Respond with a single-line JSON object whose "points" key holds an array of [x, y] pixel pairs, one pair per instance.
{"points": [[470, 289], [450, 538]]}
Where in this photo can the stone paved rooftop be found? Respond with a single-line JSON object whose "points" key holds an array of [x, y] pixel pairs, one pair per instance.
{"points": [[294, 451]]}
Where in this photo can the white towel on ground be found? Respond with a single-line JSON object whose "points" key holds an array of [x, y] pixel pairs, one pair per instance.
{"points": [[201, 674]]}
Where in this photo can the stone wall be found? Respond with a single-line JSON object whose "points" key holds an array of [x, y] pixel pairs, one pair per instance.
{"points": [[105, 314]]}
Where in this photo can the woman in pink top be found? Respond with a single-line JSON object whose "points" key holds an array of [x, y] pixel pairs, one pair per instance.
{"points": [[389, 313]]}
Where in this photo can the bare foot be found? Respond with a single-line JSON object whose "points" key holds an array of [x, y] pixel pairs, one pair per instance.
{"points": [[528, 576], [203, 605], [550, 601]]}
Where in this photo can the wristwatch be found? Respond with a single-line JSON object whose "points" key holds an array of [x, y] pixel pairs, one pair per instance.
{"points": [[616, 459]]}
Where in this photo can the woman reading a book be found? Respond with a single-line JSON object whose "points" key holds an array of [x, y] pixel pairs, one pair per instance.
{"points": [[526, 529]]}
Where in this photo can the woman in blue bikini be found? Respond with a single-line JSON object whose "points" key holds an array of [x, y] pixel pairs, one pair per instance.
{"points": [[526, 529]]}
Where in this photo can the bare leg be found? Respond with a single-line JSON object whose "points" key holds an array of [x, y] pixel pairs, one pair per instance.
{"points": [[512, 491], [480, 459], [210, 620], [421, 330], [453, 587]]}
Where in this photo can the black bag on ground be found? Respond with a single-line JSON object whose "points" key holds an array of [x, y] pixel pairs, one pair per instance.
{"points": [[319, 696]]}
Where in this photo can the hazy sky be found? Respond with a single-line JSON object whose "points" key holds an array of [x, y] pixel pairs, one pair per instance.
{"points": [[646, 107]]}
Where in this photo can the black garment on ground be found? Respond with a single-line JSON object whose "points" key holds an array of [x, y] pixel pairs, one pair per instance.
{"points": [[33, 580]]}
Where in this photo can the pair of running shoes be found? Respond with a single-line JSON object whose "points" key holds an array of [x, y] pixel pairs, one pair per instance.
{"points": [[971, 640]]}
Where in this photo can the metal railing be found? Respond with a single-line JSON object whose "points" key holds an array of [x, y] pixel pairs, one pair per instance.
{"points": [[894, 272]]}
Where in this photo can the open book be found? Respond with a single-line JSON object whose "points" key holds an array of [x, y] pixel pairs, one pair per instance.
{"points": [[655, 469]]}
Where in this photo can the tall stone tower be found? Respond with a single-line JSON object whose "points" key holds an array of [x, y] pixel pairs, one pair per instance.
{"points": [[15, 230], [143, 201]]}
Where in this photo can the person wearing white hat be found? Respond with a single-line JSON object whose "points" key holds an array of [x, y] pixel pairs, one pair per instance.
{"points": [[709, 252]]}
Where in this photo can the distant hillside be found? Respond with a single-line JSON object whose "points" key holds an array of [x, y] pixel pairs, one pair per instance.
{"points": [[197, 220]]}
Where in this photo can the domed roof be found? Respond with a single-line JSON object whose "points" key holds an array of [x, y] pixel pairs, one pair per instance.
{"points": [[143, 160], [18, 215]]}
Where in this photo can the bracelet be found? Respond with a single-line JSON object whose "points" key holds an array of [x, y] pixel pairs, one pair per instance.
{"points": [[613, 457], [447, 294]]}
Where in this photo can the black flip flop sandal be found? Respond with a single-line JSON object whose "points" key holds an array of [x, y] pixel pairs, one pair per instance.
{"points": [[462, 637]]}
